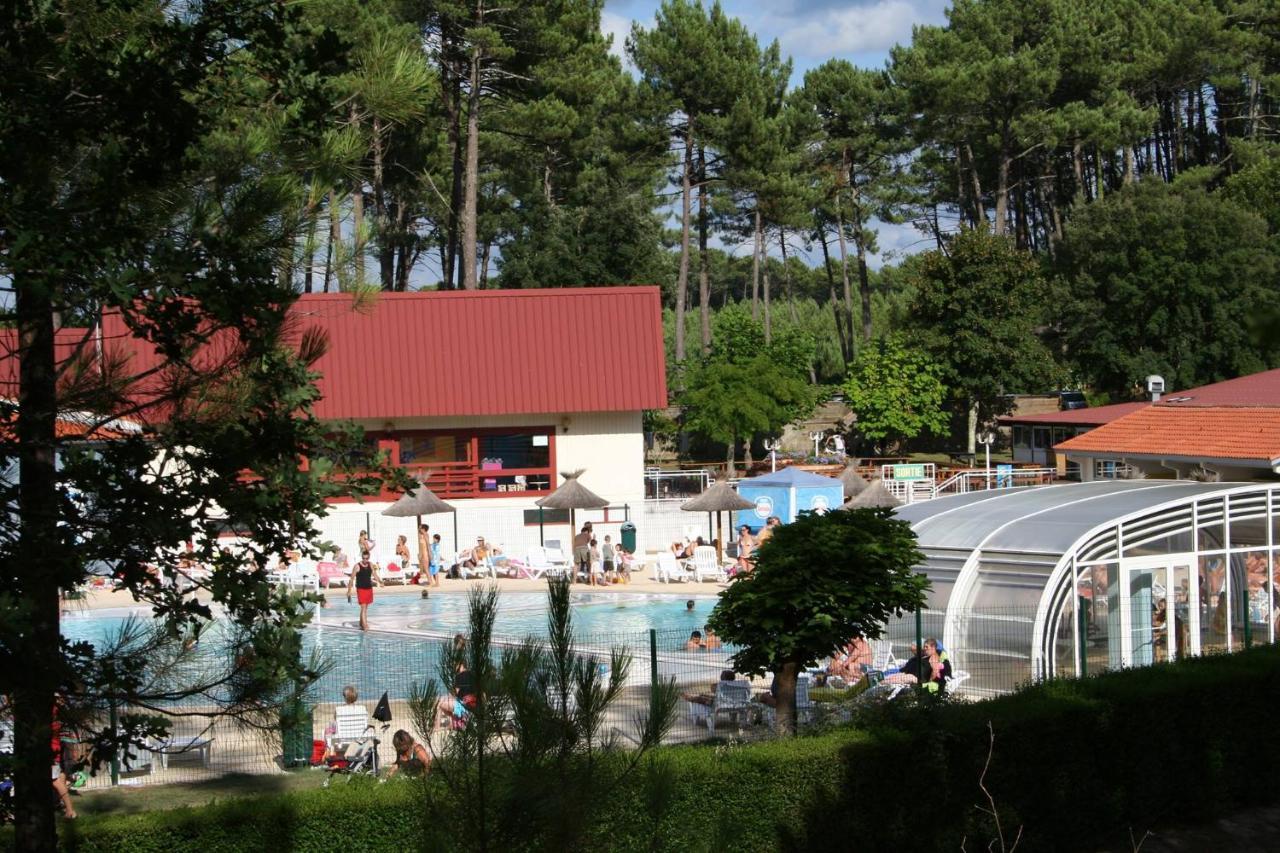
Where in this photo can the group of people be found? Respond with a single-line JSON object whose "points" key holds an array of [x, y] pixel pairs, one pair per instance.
{"points": [[599, 564], [703, 641]]}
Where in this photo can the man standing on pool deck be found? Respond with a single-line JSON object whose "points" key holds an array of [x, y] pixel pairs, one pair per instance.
{"points": [[424, 552], [363, 579], [582, 552]]}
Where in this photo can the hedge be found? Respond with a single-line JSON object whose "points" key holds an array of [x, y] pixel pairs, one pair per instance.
{"points": [[1075, 764]]}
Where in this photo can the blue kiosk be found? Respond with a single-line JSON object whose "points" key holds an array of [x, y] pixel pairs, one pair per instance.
{"points": [[786, 494]]}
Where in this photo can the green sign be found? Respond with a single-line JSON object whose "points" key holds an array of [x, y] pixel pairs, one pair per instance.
{"points": [[908, 472]]}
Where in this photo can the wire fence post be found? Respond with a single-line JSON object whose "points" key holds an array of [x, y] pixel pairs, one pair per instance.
{"points": [[653, 658], [1244, 613], [113, 721], [920, 679], [1082, 640]]}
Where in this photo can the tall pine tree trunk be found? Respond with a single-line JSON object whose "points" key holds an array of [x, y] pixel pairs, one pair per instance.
{"points": [[864, 276], [358, 232], [682, 278], [451, 97], [845, 342], [979, 209], [844, 258], [768, 313], [704, 276], [38, 533], [309, 262], [471, 179], [757, 246], [386, 240], [333, 256], [1002, 189]]}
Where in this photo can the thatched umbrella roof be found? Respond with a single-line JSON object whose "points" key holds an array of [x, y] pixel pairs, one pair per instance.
{"points": [[852, 482], [874, 495], [572, 495], [719, 498], [419, 501]]}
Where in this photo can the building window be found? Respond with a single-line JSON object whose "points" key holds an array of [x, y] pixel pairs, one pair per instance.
{"points": [[1019, 436], [480, 463], [1110, 469]]}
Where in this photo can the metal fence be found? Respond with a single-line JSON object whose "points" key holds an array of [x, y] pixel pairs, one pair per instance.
{"points": [[995, 658]]}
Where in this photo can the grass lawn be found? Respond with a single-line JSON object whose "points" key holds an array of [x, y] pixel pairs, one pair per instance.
{"points": [[142, 798]]}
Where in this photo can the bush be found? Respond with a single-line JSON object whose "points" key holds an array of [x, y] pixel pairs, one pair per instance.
{"points": [[1075, 764]]}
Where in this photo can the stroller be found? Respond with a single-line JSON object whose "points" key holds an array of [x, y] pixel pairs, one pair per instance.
{"points": [[359, 757]]}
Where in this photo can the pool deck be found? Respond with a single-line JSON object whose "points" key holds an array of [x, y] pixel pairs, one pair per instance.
{"points": [[101, 598]]}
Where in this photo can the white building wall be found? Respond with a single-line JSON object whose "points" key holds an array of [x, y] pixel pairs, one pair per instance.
{"points": [[609, 445]]}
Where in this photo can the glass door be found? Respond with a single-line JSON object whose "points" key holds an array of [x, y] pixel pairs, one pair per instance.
{"points": [[1157, 621]]}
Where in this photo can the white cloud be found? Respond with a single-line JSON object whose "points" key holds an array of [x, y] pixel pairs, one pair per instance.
{"points": [[858, 32], [618, 26]]}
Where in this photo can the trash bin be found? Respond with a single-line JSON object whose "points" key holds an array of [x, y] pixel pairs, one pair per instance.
{"points": [[628, 537], [296, 733]]}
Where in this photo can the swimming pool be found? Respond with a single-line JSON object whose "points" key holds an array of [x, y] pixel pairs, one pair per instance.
{"points": [[403, 645]]}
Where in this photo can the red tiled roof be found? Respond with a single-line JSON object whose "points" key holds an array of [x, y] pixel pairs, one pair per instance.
{"points": [[1093, 416], [1208, 433], [1256, 389], [486, 352]]}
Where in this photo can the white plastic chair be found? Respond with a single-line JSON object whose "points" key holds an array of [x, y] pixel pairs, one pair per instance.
{"points": [[705, 565], [670, 569], [393, 572], [732, 698]]}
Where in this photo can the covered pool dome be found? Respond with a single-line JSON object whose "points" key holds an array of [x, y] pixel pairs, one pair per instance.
{"points": [[1071, 579]]}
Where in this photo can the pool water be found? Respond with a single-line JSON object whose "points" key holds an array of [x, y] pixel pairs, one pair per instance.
{"points": [[403, 646]]}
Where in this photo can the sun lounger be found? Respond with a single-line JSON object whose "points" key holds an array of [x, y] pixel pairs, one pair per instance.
{"points": [[670, 569], [330, 574], [705, 565], [199, 746], [732, 699], [394, 573]]}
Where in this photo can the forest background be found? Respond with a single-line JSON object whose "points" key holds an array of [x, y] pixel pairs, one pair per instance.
{"points": [[1098, 183]]}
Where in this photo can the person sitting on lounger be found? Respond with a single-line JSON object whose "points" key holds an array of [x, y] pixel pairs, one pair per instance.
{"points": [[708, 698], [852, 660]]}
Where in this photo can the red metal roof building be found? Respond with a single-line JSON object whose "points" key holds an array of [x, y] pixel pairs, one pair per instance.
{"points": [[486, 394], [1227, 430]]}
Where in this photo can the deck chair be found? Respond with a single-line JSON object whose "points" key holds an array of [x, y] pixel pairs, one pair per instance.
{"points": [[329, 573], [559, 564], [350, 722], [535, 564], [302, 576], [394, 573], [705, 565], [805, 706], [733, 699], [670, 569], [882, 658]]}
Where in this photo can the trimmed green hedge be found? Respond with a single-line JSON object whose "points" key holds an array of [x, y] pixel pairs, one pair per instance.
{"points": [[1075, 764]]}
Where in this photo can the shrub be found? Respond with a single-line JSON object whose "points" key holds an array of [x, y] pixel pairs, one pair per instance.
{"points": [[1075, 764]]}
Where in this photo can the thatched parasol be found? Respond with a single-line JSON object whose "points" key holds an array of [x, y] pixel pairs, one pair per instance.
{"points": [[419, 502], [720, 498], [874, 495], [571, 495], [852, 482]]}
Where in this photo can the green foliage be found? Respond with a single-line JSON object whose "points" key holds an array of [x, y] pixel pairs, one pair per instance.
{"points": [[817, 582], [1059, 751], [534, 746], [745, 386], [1166, 279], [896, 392], [978, 305]]}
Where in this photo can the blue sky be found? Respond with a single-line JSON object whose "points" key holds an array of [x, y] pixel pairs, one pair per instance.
{"points": [[861, 31]]}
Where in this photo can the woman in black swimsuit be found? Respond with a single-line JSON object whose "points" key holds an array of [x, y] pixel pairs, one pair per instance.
{"points": [[411, 756]]}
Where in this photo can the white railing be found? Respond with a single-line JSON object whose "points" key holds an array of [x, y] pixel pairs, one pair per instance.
{"points": [[973, 480]]}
